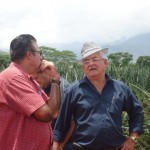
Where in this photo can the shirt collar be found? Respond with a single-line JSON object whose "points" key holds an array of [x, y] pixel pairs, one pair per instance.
{"points": [[86, 80], [13, 64]]}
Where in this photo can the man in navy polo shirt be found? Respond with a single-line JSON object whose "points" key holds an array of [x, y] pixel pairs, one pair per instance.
{"points": [[96, 103]]}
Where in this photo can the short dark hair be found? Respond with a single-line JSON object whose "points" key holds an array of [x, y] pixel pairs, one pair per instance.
{"points": [[20, 45]]}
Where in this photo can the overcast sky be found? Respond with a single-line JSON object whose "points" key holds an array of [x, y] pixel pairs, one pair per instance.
{"points": [[66, 21]]}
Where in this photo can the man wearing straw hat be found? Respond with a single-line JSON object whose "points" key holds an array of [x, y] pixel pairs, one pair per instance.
{"points": [[96, 103]]}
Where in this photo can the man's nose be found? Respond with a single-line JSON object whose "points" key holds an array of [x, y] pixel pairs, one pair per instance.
{"points": [[91, 61]]}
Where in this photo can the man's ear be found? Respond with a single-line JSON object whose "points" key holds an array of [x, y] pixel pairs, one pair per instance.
{"points": [[106, 62], [29, 55]]}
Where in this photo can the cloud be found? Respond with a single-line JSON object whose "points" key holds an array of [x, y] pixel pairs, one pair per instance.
{"points": [[65, 21]]}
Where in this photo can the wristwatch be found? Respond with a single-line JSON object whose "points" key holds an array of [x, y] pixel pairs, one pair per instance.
{"points": [[134, 139], [55, 81]]}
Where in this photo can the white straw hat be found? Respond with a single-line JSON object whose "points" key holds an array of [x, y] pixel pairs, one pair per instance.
{"points": [[90, 48]]}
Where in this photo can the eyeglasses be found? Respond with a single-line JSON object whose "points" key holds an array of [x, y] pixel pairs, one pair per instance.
{"points": [[39, 52], [94, 60]]}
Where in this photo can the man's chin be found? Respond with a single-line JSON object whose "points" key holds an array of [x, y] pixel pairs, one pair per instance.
{"points": [[92, 74]]}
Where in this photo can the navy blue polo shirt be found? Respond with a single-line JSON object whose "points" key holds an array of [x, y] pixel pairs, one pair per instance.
{"points": [[98, 117]]}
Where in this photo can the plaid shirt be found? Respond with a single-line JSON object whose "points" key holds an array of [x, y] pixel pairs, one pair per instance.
{"points": [[20, 96]]}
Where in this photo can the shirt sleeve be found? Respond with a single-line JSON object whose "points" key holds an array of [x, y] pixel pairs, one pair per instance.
{"points": [[21, 96], [63, 87], [135, 112], [64, 119]]}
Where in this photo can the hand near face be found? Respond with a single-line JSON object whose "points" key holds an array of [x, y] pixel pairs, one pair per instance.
{"points": [[46, 64], [49, 68]]}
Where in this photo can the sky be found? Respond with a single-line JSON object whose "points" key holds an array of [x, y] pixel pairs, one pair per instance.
{"points": [[71, 21]]}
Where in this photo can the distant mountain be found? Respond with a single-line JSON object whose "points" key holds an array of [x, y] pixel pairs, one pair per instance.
{"points": [[137, 46]]}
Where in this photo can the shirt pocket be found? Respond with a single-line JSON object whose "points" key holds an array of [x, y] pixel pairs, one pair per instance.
{"points": [[86, 103], [116, 105]]}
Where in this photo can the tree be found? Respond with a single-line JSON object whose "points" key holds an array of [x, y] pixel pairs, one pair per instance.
{"points": [[58, 56], [143, 61], [120, 59], [50, 54], [4, 61]]}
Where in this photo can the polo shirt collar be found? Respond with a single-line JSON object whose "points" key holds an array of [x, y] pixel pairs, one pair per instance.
{"points": [[13, 64], [86, 80]]}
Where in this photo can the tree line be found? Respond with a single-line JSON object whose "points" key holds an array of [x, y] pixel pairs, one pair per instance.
{"points": [[67, 56]]}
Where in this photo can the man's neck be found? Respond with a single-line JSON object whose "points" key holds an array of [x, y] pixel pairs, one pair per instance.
{"points": [[98, 82], [24, 65]]}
